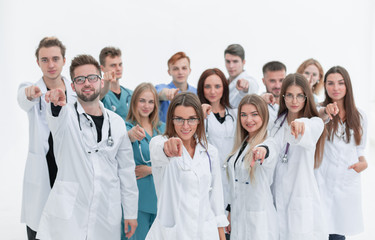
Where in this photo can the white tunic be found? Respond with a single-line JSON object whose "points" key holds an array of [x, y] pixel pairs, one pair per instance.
{"points": [[253, 215], [295, 190], [36, 182], [189, 191], [221, 135], [93, 180], [340, 187], [235, 96]]}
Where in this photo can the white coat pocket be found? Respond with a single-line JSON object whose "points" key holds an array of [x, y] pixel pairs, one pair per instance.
{"points": [[256, 225], [62, 199], [300, 215]]}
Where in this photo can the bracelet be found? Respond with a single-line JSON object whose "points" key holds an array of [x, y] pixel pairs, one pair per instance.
{"points": [[324, 111], [268, 151]]}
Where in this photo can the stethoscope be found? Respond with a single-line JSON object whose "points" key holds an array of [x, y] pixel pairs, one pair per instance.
{"points": [[140, 151], [128, 98], [225, 115], [239, 175], [284, 159], [110, 141]]}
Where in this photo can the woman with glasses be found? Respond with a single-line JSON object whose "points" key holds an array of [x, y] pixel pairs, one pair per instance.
{"points": [[253, 215], [143, 124], [338, 177], [313, 72], [187, 176], [295, 190], [220, 125]]}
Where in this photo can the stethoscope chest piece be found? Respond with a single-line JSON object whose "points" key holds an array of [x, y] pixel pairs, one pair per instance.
{"points": [[110, 141], [113, 107], [284, 159]]}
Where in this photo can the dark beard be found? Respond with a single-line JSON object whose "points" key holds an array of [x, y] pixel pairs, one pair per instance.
{"points": [[88, 98]]}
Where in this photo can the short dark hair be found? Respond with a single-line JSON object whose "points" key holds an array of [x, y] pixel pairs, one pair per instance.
{"points": [[273, 66], [235, 49], [50, 42], [108, 51], [81, 60]]}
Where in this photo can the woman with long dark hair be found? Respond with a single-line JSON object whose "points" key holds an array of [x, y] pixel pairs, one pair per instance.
{"points": [[343, 160], [295, 189], [187, 176], [220, 124]]}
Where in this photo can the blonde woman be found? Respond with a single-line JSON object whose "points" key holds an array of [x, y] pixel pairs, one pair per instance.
{"points": [[253, 215], [143, 123]]}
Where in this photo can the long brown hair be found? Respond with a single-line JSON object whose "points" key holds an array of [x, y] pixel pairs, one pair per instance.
{"points": [[224, 100], [309, 109], [133, 115], [353, 120], [242, 134], [186, 99], [318, 86]]}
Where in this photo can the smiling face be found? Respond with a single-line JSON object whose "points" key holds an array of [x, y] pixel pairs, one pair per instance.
{"points": [[87, 91], [273, 80], [185, 131], [250, 119], [213, 89], [335, 86], [51, 62], [146, 104], [294, 99]]}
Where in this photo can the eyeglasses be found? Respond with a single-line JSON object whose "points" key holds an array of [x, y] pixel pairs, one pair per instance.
{"points": [[92, 78], [289, 98], [181, 121]]}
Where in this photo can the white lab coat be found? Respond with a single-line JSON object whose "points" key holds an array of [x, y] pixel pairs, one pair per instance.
{"points": [[235, 96], [36, 182], [253, 215], [295, 190], [189, 191], [93, 180], [340, 187], [221, 136]]}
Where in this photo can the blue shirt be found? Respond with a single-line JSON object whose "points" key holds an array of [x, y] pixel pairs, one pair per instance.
{"points": [[147, 200], [119, 106], [165, 104]]}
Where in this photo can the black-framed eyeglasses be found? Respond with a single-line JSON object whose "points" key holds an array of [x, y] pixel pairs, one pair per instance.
{"points": [[289, 98], [92, 78], [181, 121]]}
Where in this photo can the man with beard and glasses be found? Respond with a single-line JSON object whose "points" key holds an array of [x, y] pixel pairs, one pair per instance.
{"points": [[95, 184], [273, 75]]}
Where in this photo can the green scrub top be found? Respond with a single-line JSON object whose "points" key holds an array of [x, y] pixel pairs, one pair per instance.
{"points": [[119, 106], [147, 195]]}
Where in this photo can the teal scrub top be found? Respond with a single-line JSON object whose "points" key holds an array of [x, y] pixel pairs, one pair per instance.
{"points": [[119, 106], [147, 195]]}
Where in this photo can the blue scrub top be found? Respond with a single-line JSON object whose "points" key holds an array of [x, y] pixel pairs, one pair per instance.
{"points": [[163, 109], [147, 195], [119, 106]]}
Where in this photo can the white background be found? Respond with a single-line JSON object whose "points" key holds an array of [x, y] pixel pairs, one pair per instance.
{"points": [[337, 32]]}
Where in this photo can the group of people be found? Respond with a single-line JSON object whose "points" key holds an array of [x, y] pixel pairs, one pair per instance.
{"points": [[171, 161]]}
